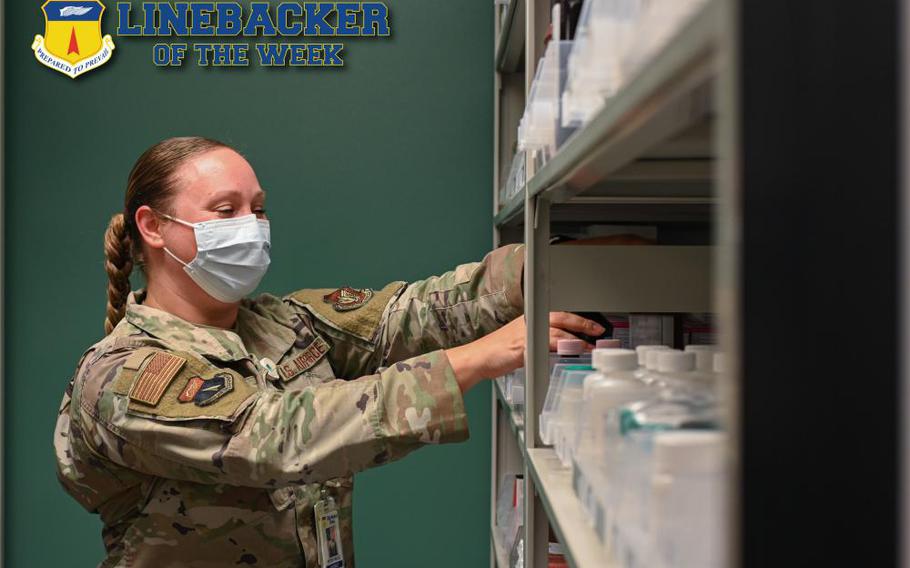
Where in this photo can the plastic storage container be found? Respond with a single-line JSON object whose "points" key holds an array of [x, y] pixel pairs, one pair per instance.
{"points": [[687, 500], [540, 130], [565, 419], [614, 40], [628, 533], [604, 394], [595, 65], [550, 415], [568, 352], [515, 183]]}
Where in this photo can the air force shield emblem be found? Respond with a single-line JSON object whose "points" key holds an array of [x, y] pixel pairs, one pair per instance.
{"points": [[72, 42]]}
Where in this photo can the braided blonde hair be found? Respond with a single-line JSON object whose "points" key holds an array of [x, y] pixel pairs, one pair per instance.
{"points": [[151, 182], [118, 263]]}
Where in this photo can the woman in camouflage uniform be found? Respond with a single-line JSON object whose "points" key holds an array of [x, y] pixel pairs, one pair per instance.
{"points": [[203, 431]]}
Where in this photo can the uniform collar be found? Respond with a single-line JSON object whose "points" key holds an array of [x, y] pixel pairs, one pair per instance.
{"points": [[265, 336]]}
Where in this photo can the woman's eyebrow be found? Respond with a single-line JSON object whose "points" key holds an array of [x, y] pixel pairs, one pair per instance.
{"points": [[232, 193]]}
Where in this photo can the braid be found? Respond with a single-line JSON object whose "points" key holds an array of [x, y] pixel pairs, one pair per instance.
{"points": [[118, 263]]}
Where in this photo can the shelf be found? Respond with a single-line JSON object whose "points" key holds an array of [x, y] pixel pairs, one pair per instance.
{"points": [[623, 278], [500, 553], [510, 210], [553, 483], [511, 38], [652, 141]]}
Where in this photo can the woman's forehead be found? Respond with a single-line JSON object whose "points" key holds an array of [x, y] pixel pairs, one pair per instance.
{"points": [[220, 171]]}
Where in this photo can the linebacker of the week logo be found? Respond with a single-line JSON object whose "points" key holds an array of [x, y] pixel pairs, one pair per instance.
{"points": [[72, 42]]}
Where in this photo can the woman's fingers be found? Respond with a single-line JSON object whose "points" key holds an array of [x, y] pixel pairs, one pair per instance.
{"points": [[572, 322], [556, 334]]}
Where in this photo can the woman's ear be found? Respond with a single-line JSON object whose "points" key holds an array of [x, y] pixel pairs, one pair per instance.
{"points": [[149, 225]]}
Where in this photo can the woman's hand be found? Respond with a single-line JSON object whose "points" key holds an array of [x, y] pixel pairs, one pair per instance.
{"points": [[503, 350]]}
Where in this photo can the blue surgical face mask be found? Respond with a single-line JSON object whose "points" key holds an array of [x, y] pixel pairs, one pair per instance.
{"points": [[232, 255]]}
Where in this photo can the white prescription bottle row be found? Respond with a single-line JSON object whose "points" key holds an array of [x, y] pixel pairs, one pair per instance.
{"points": [[639, 430]]}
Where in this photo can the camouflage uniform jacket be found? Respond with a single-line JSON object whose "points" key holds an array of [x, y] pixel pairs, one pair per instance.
{"points": [[184, 477]]}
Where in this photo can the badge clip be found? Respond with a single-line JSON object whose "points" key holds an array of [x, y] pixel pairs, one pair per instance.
{"points": [[328, 534]]}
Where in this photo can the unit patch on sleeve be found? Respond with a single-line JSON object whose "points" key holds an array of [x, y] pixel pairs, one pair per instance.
{"points": [[310, 356], [363, 322], [192, 387], [213, 389], [347, 298], [154, 377]]}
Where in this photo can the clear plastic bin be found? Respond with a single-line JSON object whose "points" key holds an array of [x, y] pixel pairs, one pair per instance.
{"points": [[568, 352], [594, 74], [614, 40], [515, 183], [629, 531], [549, 416], [564, 424], [541, 130]]}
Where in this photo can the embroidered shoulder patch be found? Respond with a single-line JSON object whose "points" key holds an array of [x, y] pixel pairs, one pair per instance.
{"points": [[154, 377], [346, 299], [361, 323], [192, 387], [213, 389]]}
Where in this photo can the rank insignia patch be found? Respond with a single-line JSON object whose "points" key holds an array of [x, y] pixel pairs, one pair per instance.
{"points": [[72, 43], [189, 391], [154, 377], [213, 389], [347, 299]]}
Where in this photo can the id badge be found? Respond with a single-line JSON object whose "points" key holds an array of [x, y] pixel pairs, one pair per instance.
{"points": [[328, 535]]}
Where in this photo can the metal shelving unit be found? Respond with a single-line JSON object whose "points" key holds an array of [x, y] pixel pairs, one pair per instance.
{"points": [[501, 555], [648, 156], [511, 37], [564, 512], [654, 132]]}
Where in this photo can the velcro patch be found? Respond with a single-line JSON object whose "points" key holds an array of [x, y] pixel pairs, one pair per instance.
{"points": [[192, 387], [346, 299], [362, 323], [310, 356], [137, 358], [213, 389], [154, 377]]}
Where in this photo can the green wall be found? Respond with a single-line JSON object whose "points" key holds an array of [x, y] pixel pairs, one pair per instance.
{"points": [[377, 171]]}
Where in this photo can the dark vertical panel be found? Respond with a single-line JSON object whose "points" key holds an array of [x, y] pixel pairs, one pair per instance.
{"points": [[819, 180]]}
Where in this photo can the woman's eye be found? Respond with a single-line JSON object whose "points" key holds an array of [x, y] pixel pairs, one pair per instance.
{"points": [[226, 212], [260, 211]]}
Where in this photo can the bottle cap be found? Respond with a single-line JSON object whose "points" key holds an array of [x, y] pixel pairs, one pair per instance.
{"points": [[720, 363], [642, 351], [608, 344], [688, 452], [672, 361], [612, 360], [704, 357], [570, 346], [651, 356]]}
